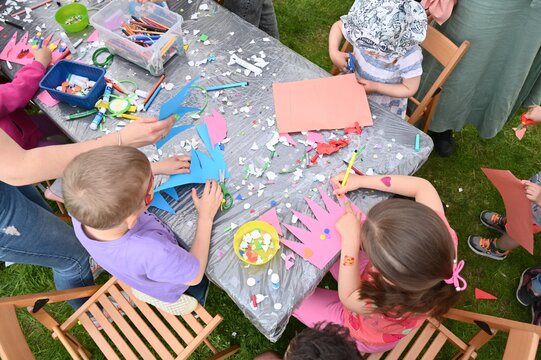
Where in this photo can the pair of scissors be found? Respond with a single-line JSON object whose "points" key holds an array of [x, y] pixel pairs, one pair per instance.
{"points": [[227, 201], [525, 122]]}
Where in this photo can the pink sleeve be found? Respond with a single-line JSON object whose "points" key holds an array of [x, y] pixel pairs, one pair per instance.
{"points": [[16, 94], [439, 9]]}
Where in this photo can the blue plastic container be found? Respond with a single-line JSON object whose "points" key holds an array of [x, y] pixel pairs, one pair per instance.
{"points": [[60, 72]]}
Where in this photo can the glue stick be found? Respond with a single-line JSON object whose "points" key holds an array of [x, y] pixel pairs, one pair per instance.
{"points": [[275, 281]]}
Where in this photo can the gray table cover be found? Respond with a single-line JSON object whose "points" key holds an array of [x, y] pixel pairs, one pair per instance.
{"points": [[389, 149]]}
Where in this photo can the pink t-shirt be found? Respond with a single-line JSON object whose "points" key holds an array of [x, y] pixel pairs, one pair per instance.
{"points": [[377, 330]]}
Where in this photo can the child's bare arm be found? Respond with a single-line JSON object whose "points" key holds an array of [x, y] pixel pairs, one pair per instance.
{"points": [[407, 88], [206, 206], [338, 58], [410, 186]]}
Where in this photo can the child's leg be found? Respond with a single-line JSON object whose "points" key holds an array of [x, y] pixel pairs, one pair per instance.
{"points": [[322, 305], [200, 291]]}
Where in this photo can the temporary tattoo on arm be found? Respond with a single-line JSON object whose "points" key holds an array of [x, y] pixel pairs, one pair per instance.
{"points": [[348, 260]]}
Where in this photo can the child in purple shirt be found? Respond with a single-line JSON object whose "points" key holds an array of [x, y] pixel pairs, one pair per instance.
{"points": [[107, 192]]}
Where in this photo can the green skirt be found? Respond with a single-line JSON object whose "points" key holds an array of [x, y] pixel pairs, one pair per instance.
{"points": [[499, 73]]}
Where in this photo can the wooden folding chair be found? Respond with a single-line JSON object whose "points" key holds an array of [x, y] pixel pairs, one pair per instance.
{"points": [[426, 342], [131, 329], [448, 55]]}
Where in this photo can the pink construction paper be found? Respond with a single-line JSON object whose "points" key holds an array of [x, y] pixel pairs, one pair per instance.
{"points": [[333, 102], [271, 217], [288, 138], [517, 207], [520, 133], [8, 49], [289, 260], [1, 28], [315, 137], [317, 245], [217, 127], [93, 37], [480, 294], [46, 98]]}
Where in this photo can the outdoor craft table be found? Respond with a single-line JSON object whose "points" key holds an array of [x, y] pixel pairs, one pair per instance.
{"points": [[389, 149]]}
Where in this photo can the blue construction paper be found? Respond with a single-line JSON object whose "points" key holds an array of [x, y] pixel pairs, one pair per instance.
{"points": [[172, 133], [173, 193], [160, 203], [174, 105], [202, 167]]}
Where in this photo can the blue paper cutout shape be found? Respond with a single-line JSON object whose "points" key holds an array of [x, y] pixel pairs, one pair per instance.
{"points": [[173, 193], [172, 133], [202, 167], [174, 105], [160, 203]]}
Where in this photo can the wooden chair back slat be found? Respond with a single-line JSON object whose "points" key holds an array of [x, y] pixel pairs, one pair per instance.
{"points": [[130, 334], [98, 338], [420, 342], [139, 323], [111, 332], [435, 347], [178, 326], [397, 351], [193, 323], [203, 314], [190, 348], [522, 345], [439, 46], [13, 345]]}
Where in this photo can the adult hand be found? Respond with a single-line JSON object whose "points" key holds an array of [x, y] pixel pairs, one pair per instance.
{"points": [[369, 86], [533, 192], [349, 224], [534, 113], [339, 59], [208, 204], [43, 56], [145, 131], [336, 182], [176, 164]]}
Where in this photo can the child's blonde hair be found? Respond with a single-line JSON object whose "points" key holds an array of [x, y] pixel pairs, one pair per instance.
{"points": [[104, 186], [412, 250]]}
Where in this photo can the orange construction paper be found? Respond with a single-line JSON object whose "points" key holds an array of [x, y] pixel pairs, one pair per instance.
{"points": [[480, 294], [517, 207], [328, 103]]}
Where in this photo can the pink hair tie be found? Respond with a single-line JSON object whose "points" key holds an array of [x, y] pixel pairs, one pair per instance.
{"points": [[456, 279]]}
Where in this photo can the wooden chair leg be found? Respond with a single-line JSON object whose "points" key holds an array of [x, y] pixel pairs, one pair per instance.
{"points": [[226, 353]]}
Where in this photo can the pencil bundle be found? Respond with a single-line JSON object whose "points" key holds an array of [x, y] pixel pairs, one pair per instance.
{"points": [[143, 31]]}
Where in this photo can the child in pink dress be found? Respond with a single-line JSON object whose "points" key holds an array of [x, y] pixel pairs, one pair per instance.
{"points": [[396, 269], [14, 96]]}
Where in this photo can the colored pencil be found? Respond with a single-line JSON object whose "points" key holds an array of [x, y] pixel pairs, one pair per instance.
{"points": [[151, 100], [168, 45], [154, 89], [226, 86]]}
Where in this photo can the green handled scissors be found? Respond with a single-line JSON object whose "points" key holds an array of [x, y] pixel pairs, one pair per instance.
{"points": [[227, 201]]}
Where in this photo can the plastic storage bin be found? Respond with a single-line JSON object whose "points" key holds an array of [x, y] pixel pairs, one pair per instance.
{"points": [[108, 20], [60, 72]]}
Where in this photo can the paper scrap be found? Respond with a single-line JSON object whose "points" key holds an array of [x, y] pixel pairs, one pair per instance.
{"points": [[520, 133], [322, 104], [315, 137], [480, 294], [93, 37], [216, 126], [47, 99], [517, 206]]}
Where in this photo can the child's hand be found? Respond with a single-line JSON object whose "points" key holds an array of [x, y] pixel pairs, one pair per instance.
{"points": [[534, 113], [336, 182], [533, 191], [176, 164], [369, 86], [349, 224], [339, 58], [43, 56], [208, 204]]}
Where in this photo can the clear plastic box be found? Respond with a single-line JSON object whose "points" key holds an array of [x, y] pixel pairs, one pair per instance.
{"points": [[108, 23]]}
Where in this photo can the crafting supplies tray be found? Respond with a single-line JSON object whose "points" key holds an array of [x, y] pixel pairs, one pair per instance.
{"points": [[108, 21]]}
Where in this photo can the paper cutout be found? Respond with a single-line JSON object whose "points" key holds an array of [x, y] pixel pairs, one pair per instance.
{"points": [[386, 180], [517, 206], [174, 105], [202, 166], [289, 260], [288, 138], [480, 294], [173, 193], [520, 133], [159, 202], [315, 137], [1, 28], [271, 217], [320, 241], [95, 36], [216, 126], [13, 48], [172, 133], [47, 99], [328, 103]]}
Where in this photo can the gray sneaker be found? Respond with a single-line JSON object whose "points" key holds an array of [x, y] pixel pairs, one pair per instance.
{"points": [[486, 247], [525, 295], [493, 220]]}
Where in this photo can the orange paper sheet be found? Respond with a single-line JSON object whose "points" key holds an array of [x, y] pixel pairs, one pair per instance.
{"points": [[329, 103], [517, 207]]}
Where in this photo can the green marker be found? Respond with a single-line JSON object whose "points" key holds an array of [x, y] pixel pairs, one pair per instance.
{"points": [[80, 115]]}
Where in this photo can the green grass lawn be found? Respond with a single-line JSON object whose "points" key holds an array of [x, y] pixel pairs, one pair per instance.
{"points": [[304, 26]]}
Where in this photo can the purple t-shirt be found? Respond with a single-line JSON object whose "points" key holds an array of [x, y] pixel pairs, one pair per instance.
{"points": [[147, 258]]}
